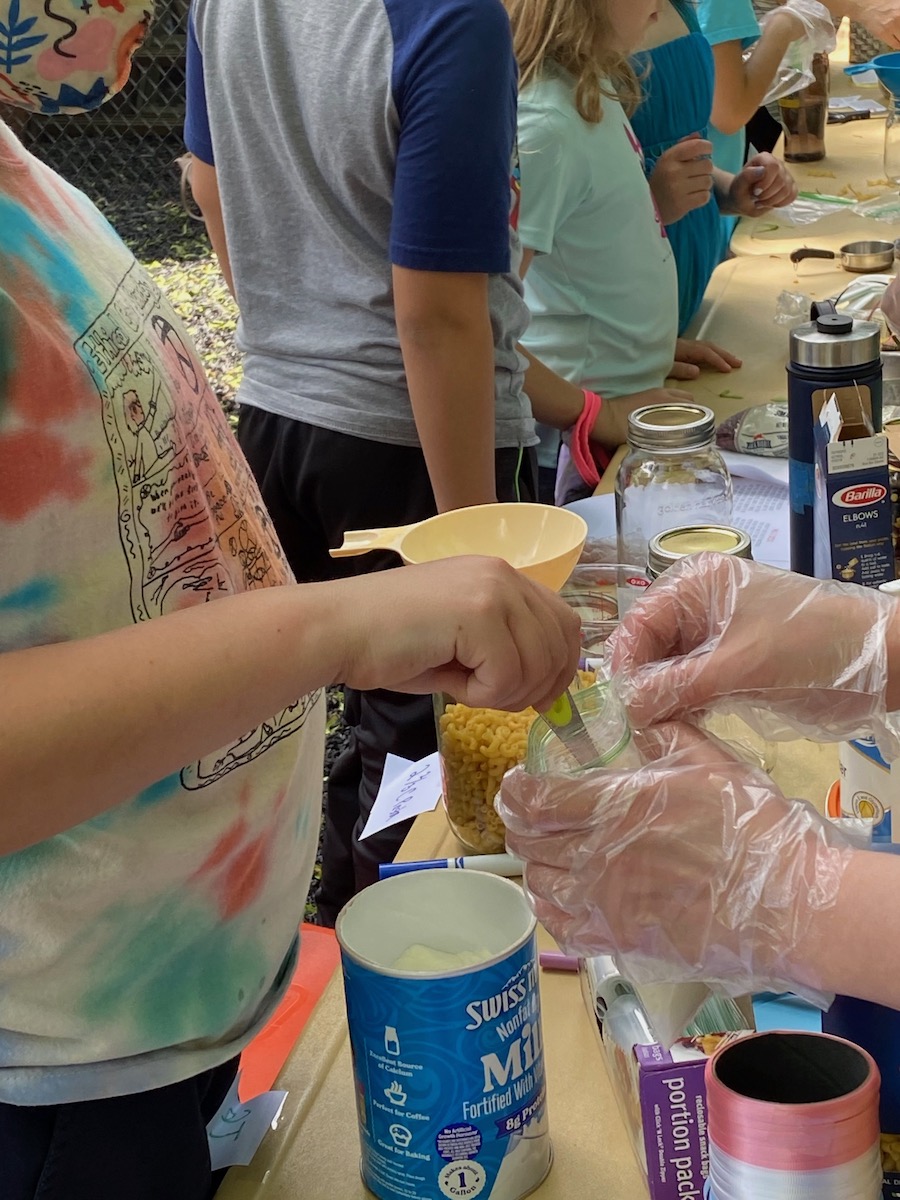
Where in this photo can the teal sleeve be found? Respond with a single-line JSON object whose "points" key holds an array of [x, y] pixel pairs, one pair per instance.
{"points": [[728, 21], [553, 176]]}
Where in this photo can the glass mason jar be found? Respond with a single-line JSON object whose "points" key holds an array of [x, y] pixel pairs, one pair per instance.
{"points": [[477, 747], [892, 141], [804, 115], [672, 475]]}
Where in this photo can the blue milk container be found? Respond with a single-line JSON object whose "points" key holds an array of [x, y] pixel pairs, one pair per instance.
{"points": [[441, 981]]}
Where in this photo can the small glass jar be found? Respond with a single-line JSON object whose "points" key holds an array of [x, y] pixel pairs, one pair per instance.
{"points": [[672, 475], [666, 549], [598, 592], [477, 747], [606, 721], [892, 141]]}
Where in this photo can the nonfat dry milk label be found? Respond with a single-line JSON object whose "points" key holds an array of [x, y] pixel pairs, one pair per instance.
{"points": [[449, 1074]]}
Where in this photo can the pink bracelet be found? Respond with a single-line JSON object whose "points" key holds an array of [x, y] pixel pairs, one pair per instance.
{"points": [[589, 459]]}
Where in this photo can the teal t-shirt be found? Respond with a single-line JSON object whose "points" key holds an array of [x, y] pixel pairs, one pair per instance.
{"points": [[602, 287]]}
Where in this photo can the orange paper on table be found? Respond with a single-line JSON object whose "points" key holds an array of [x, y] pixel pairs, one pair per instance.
{"points": [[262, 1060]]}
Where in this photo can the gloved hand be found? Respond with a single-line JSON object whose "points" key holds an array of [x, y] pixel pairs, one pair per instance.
{"points": [[788, 654], [817, 26], [692, 867]]}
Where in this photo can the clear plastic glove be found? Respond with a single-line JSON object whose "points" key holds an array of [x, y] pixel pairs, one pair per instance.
{"points": [[788, 654], [815, 21], [692, 867]]}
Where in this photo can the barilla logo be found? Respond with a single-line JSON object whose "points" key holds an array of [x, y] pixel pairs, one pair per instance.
{"points": [[859, 494]]}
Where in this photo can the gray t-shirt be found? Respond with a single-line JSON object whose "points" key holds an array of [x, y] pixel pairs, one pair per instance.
{"points": [[347, 136]]}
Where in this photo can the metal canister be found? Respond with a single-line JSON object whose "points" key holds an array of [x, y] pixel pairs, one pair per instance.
{"points": [[830, 352], [667, 548]]}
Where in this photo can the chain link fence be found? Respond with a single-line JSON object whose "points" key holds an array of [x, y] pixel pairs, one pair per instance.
{"points": [[123, 153]]}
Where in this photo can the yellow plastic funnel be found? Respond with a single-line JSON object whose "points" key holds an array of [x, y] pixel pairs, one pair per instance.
{"points": [[542, 542]]}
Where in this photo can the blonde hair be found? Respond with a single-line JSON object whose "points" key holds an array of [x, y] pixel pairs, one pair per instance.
{"points": [[577, 36]]}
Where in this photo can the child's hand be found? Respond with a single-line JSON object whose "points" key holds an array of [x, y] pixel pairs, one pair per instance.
{"points": [[682, 178], [691, 356], [472, 627], [611, 427], [764, 183]]}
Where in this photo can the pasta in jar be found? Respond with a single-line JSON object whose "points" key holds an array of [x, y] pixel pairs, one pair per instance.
{"points": [[478, 746]]}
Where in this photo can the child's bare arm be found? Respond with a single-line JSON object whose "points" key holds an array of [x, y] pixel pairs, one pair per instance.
{"points": [[205, 189], [741, 86], [444, 325], [84, 725]]}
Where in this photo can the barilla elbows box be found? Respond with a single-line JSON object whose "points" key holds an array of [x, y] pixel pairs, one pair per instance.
{"points": [[853, 519]]}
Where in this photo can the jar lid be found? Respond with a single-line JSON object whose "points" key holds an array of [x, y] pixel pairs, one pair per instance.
{"points": [[668, 547], [671, 426], [835, 340]]}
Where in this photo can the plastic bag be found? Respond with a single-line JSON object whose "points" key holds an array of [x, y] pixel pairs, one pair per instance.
{"points": [[792, 308], [884, 208], [810, 207], [761, 430], [819, 37]]}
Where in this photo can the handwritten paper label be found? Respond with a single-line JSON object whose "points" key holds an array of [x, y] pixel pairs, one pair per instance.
{"points": [[235, 1132], [407, 789]]}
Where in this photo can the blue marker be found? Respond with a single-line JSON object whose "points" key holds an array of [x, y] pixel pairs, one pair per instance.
{"points": [[493, 864]]}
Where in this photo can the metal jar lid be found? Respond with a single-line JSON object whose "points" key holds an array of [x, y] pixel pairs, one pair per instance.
{"points": [[671, 427], [835, 340], [668, 547]]}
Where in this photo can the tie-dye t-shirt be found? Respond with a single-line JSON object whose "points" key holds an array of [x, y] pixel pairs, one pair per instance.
{"points": [[150, 943]]}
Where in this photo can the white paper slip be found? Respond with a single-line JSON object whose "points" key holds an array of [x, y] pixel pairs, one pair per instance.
{"points": [[236, 1131], [855, 104], [407, 789], [756, 467], [762, 510], [600, 514]]}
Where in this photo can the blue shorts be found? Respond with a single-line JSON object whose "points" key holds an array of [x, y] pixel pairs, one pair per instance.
{"points": [[150, 1146]]}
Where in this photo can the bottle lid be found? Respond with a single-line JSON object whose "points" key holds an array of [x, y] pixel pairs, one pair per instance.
{"points": [[836, 340], [668, 547], [671, 427]]}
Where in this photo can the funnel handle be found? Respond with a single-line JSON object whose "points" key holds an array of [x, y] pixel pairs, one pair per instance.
{"points": [[858, 68], [361, 541]]}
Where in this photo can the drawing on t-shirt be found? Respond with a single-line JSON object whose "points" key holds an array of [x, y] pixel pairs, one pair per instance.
{"points": [[183, 529]]}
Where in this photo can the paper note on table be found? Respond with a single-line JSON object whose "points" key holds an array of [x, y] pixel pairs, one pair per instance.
{"points": [[855, 104], [756, 466], [762, 510], [407, 789], [600, 514], [235, 1132]]}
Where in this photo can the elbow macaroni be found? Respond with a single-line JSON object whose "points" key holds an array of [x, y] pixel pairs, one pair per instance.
{"points": [[478, 746]]}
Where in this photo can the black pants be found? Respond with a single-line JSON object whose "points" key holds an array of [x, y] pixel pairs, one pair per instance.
{"points": [[316, 484], [150, 1146]]}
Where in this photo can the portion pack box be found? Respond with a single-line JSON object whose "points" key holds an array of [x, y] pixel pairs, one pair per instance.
{"points": [[662, 1098], [852, 508]]}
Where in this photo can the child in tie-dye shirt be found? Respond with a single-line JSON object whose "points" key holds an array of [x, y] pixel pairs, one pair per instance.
{"points": [[149, 909]]}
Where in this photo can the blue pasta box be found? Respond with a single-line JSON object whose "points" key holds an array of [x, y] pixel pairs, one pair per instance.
{"points": [[852, 506]]}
